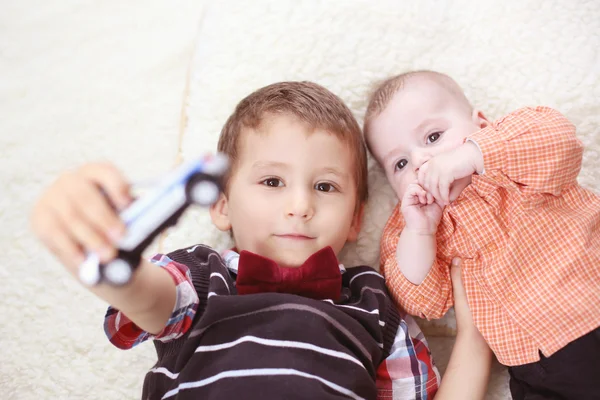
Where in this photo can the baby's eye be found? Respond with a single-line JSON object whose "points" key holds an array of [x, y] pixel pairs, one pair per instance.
{"points": [[272, 182], [400, 164], [325, 187], [434, 137]]}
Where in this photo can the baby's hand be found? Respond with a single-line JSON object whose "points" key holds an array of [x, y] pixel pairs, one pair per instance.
{"points": [[439, 173], [420, 211], [74, 215]]}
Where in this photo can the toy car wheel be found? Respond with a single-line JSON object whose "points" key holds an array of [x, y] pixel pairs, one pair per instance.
{"points": [[89, 270], [203, 192], [118, 272]]}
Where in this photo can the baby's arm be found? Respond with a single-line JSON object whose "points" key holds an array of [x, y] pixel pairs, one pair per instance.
{"points": [[537, 148], [415, 255], [432, 297], [73, 216], [469, 367]]}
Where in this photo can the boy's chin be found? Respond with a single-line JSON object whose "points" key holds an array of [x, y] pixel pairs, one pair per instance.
{"points": [[292, 259]]}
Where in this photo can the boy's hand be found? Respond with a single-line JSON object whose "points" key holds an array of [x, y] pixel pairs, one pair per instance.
{"points": [[438, 174], [465, 326], [471, 356], [76, 214], [464, 318], [420, 211]]}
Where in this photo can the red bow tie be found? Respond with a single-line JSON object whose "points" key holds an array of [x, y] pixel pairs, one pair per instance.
{"points": [[318, 278]]}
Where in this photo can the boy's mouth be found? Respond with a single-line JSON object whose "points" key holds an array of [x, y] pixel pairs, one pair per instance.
{"points": [[294, 236]]}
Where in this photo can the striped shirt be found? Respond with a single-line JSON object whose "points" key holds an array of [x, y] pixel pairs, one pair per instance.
{"points": [[218, 344], [529, 237]]}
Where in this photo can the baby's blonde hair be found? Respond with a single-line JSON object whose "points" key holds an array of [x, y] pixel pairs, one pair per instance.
{"points": [[385, 90]]}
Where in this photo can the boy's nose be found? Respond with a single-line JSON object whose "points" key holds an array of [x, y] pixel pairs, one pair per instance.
{"points": [[300, 205]]}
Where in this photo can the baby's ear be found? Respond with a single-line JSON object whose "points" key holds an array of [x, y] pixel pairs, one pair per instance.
{"points": [[480, 119], [356, 224], [219, 213]]}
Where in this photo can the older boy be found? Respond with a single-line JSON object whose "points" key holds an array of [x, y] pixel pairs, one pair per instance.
{"points": [[286, 323], [502, 196]]}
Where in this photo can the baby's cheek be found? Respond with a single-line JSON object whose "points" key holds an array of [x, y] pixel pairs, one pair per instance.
{"points": [[400, 186]]}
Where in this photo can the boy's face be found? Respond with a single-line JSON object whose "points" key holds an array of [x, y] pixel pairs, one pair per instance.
{"points": [[292, 193], [422, 120]]}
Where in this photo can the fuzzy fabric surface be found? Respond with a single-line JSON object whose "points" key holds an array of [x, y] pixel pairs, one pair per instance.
{"points": [[92, 80], [505, 55], [80, 81]]}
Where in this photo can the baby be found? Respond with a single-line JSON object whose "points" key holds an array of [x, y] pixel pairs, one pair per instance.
{"points": [[503, 196], [285, 321]]}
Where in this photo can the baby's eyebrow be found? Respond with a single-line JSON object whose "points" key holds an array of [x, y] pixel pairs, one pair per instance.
{"points": [[392, 154], [428, 121]]}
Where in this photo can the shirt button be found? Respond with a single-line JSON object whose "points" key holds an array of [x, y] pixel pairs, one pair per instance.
{"points": [[511, 297], [491, 247]]}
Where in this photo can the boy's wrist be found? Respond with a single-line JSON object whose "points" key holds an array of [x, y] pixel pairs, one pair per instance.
{"points": [[129, 293]]}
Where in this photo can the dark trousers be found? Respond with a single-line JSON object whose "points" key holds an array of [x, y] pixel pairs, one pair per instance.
{"points": [[573, 372]]}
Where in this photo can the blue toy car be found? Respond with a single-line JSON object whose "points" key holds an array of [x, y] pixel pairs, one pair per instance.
{"points": [[196, 182]]}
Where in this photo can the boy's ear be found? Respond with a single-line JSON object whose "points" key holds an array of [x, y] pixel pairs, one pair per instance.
{"points": [[219, 213], [480, 119], [356, 224]]}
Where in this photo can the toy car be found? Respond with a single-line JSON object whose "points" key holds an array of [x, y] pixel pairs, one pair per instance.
{"points": [[198, 181]]}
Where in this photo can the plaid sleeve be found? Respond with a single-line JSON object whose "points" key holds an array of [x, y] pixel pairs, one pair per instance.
{"points": [[432, 298], [409, 372], [534, 147], [125, 334]]}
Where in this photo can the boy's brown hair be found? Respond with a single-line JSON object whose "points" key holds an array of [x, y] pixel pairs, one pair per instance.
{"points": [[312, 104]]}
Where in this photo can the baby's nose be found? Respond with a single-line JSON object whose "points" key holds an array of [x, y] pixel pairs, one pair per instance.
{"points": [[419, 158]]}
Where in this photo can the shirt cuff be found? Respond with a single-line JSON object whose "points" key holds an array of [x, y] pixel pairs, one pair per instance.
{"points": [[491, 147], [425, 300], [125, 334], [481, 152]]}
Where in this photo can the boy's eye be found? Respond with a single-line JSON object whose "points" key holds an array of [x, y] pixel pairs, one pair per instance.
{"points": [[272, 182], [324, 187], [401, 164], [434, 137]]}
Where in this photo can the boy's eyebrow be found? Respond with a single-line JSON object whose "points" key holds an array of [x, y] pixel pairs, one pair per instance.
{"points": [[277, 164], [334, 171], [268, 164]]}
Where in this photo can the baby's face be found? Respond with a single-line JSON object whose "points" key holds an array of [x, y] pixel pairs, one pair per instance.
{"points": [[421, 121], [292, 193]]}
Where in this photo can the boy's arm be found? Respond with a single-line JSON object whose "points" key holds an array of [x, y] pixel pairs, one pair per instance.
{"points": [[78, 214], [536, 148], [147, 300], [125, 332], [408, 367], [431, 298], [471, 357]]}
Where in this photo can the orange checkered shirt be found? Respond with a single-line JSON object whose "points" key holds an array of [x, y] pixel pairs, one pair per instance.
{"points": [[529, 237]]}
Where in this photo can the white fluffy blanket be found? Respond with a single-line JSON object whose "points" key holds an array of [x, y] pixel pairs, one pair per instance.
{"points": [[91, 80], [505, 54]]}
